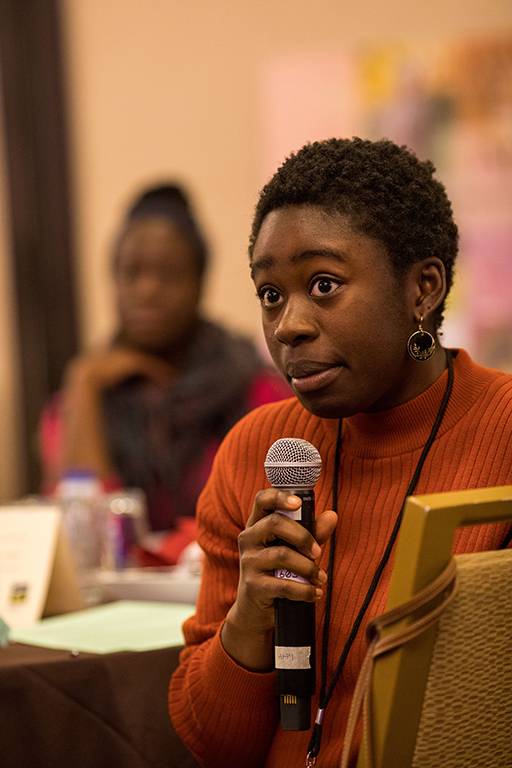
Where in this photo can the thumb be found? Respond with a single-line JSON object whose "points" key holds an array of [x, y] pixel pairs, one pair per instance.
{"points": [[325, 524]]}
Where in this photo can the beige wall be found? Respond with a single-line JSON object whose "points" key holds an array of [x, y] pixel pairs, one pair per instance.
{"points": [[165, 87], [9, 416], [161, 87]]}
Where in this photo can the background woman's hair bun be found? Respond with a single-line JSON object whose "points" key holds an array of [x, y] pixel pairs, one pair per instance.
{"points": [[160, 199]]}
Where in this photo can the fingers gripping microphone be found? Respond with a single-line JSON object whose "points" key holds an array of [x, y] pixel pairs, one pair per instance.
{"points": [[295, 465]]}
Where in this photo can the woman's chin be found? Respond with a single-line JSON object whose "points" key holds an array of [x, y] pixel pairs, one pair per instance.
{"points": [[328, 407]]}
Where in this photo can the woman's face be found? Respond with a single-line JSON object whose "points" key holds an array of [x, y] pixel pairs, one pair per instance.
{"points": [[157, 284], [336, 317]]}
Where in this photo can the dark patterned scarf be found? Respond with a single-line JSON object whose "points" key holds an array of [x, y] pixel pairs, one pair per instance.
{"points": [[155, 436]]}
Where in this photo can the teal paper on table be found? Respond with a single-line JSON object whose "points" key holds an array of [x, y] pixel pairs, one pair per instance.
{"points": [[123, 626]]}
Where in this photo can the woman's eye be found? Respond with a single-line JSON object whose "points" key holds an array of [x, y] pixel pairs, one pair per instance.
{"points": [[324, 286], [269, 297]]}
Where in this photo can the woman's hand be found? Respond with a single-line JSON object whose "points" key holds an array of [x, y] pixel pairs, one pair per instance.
{"points": [[83, 439], [105, 369], [247, 631]]}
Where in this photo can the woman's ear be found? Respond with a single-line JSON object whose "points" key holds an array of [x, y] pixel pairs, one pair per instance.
{"points": [[429, 277]]}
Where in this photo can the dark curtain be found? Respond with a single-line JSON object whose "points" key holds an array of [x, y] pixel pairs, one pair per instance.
{"points": [[38, 184]]}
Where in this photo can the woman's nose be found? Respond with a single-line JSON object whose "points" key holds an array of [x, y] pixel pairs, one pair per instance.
{"points": [[296, 323], [147, 286]]}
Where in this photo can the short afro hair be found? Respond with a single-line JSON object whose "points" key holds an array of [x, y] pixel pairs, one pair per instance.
{"points": [[386, 191]]}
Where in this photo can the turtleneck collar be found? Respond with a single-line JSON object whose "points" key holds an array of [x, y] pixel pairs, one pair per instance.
{"points": [[407, 427]]}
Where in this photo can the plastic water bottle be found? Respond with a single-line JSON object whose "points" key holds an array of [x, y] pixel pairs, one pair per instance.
{"points": [[79, 492]]}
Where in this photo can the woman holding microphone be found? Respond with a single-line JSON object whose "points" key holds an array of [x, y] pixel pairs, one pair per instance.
{"points": [[352, 254]]}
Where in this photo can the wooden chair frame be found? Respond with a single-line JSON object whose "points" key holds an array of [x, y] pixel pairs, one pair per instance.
{"points": [[423, 550]]}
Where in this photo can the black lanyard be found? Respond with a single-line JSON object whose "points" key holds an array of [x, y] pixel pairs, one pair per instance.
{"points": [[326, 689]]}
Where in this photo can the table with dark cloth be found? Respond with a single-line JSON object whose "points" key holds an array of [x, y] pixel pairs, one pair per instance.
{"points": [[87, 711]]}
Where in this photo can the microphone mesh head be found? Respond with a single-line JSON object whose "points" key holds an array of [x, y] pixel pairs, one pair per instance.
{"points": [[292, 463]]}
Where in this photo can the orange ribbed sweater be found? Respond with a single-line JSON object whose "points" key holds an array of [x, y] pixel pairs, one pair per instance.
{"points": [[226, 715]]}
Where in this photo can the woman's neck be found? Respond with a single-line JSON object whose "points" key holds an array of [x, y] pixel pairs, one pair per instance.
{"points": [[415, 379], [175, 353], [405, 427]]}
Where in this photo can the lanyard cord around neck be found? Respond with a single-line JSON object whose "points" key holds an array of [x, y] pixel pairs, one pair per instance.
{"points": [[326, 689]]}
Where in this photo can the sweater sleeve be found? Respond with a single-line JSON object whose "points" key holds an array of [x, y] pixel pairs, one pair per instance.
{"points": [[225, 714], [50, 443], [50, 450], [267, 387]]}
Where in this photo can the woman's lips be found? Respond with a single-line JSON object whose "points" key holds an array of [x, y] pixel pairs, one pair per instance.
{"points": [[315, 381], [150, 316]]}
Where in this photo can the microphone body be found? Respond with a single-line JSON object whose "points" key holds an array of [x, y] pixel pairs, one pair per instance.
{"points": [[294, 642], [296, 467]]}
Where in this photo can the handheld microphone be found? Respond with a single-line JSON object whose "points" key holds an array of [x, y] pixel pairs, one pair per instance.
{"points": [[295, 465]]}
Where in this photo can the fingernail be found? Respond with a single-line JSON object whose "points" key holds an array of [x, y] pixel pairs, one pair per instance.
{"points": [[293, 500], [318, 594], [316, 551], [322, 577]]}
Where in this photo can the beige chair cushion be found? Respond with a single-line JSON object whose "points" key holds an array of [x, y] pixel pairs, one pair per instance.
{"points": [[466, 720]]}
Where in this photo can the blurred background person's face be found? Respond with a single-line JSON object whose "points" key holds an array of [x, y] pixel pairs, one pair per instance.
{"points": [[157, 284]]}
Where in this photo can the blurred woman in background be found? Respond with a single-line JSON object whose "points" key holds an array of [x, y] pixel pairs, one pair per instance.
{"points": [[150, 409]]}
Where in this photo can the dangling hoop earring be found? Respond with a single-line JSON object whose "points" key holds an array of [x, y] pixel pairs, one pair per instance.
{"points": [[421, 344]]}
